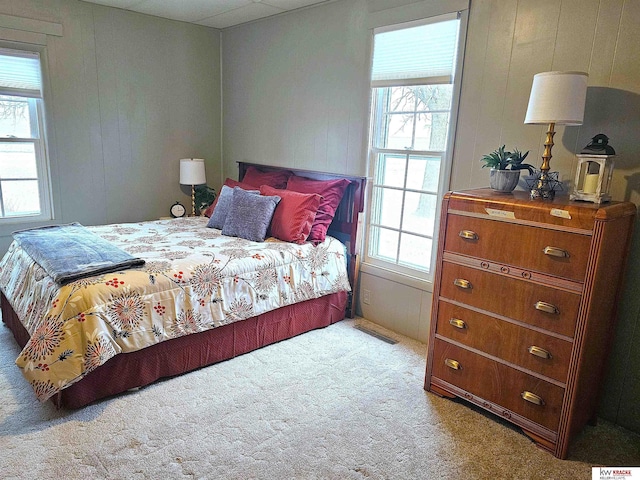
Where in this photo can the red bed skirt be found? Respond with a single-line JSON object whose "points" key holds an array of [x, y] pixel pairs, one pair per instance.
{"points": [[183, 354]]}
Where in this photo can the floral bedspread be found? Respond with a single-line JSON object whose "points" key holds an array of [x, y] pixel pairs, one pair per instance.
{"points": [[194, 279]]}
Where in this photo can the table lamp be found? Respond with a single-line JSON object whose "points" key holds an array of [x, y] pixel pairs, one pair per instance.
{"points": [[556, 98], [192, 173]]}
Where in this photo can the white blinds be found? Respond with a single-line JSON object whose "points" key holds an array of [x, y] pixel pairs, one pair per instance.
{"points": [[420, 55], [20, 73]]}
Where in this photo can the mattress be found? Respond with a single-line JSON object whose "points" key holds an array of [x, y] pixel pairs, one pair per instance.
{"points": [[194, 280]]}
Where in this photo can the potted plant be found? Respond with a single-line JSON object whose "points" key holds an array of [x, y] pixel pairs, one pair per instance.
{"points": [[505, 168], [204, 196]]}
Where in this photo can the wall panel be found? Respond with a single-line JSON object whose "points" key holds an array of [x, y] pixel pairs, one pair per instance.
{"points": [[295, 90], [129, 96]]}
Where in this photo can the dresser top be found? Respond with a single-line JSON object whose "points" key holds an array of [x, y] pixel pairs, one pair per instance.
{"points": [[518, 205]]}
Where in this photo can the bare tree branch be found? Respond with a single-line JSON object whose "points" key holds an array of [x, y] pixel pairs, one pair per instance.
{"points": [[11, 109]]}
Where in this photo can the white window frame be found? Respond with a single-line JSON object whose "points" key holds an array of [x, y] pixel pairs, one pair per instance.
{"points": [[400, 273], [38, 139]]}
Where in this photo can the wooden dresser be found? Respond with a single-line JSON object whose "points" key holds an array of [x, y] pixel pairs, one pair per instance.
{"points": [[524, 305]]}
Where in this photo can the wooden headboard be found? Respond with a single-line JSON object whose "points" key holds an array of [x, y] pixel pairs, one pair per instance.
{"points": [[346, 222]]}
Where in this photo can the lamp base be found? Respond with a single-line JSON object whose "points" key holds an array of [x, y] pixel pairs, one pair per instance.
{"points": [[544, 186], [193, 200]]}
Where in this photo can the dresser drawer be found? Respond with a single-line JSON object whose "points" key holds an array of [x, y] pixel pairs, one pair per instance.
{"points": [[526, 348], [519, 245], [498, 383], [511, 297]]}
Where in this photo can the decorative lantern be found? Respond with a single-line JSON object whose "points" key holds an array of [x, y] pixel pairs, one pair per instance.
{"points": [[593, 178]]}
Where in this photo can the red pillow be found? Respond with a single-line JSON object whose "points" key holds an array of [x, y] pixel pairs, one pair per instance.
{"points": [[331, 192], [294, 215], [257, 178], [229, 182]]}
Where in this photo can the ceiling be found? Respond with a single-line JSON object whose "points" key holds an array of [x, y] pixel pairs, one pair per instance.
{"points": [[210, 13]]}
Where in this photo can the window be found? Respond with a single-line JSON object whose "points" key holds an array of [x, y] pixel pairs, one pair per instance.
{"points": [[413, 94], [24, 183]]}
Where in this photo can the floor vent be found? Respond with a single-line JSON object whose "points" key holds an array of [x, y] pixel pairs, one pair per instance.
{"points": [[377, 335]]}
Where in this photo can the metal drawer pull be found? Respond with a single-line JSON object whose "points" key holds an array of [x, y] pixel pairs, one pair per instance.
{"points": [[555, 252], [532, 397], [539, 352], [468, 235], [462, 283], [546, 307], [452, 364], [456, 322]]}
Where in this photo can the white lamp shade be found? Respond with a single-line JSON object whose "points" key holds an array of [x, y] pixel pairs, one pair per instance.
{"points": [[557, 97], [192, 171]]}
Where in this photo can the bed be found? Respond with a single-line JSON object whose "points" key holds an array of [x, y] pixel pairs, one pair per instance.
{"points": [[126, 329]]}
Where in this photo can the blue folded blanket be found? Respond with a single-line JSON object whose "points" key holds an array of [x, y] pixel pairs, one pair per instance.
{"points": [[70, 252]]}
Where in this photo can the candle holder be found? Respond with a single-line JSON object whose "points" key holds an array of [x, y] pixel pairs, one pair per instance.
{"points": [[593, 178], [543, 185]]}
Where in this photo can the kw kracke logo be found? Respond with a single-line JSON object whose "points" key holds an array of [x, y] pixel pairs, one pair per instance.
{"points": [[612, 473]]}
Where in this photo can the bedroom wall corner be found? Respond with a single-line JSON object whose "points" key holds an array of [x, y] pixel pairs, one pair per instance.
{"points": [[130, 95]]}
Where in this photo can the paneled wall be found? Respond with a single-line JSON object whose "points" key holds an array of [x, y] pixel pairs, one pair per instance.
{"points": [[129, 95], [295, 90], [594, 36], [295, 94]]}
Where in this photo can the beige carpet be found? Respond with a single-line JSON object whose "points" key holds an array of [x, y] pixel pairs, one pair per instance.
{"points": [[335, 403]]}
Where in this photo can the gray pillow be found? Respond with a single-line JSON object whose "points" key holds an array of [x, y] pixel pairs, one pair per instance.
{"points": [[225, 200], [249, 215]]}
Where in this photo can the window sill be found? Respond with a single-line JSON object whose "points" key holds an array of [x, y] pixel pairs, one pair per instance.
{"points": [[397, 277]]}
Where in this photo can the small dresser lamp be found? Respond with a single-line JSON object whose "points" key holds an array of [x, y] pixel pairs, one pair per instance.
{"points": [[556, 98], [192, 173], [594, 172]]}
